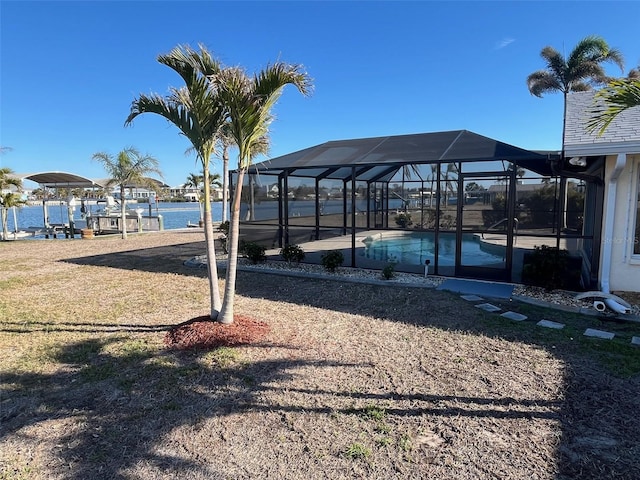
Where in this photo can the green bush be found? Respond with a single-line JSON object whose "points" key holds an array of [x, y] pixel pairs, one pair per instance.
{"points": [[388, 272], [403, 220], [253, 251], [551, 268], [292, 253], [332, 259], [224, 228]]}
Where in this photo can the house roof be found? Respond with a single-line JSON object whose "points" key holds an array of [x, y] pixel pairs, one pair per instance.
{"points": [[382, 156], [622, 135]]}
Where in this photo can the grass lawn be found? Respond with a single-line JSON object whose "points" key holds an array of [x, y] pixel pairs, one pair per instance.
{"points": [[346, 380]]}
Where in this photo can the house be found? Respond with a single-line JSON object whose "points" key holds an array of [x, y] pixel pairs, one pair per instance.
{"points": [[617, 150]]}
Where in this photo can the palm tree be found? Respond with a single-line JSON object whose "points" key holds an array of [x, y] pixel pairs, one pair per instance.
{"points": [[7, 179], [194, 180], [127, 169], [450, 177], [618, 96], [9, 199], [249, 101], [197, 112], [225, 141], [581, 70]]}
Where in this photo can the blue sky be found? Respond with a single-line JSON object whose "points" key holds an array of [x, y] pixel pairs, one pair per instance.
{"points": [[69, 71]]}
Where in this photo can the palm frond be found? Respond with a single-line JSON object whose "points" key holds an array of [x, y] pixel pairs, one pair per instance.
{"points": [[612, 100], [542, 82]]}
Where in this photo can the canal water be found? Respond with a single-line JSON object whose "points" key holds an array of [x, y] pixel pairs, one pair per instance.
{"points": [[175, 215]]}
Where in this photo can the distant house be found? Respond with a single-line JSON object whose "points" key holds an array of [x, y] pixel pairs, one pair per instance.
{"points": [[192, 194], [617, 151]]}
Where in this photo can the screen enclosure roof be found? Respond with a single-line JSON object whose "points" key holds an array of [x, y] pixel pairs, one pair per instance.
{"points": [[376, 159]]}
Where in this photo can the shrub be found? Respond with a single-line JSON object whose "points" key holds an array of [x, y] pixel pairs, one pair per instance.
{"points": [[388, 272], [551, 268], [403, 220], [292, 253], [224, 228], [332, 259], [254, 252], [357, 450]]}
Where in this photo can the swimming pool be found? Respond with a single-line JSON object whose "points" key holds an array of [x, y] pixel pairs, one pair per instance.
{"points": [[413, 248]]}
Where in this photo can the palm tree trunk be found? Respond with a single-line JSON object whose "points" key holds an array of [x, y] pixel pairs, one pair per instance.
{"points": [[225, 182], [212, 266], [123, 213], [226, 314], [252, 200], [4, 213], [563, 203]]}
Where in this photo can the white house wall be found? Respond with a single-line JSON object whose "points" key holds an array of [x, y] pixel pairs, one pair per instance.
{"points": [[624, 266]]}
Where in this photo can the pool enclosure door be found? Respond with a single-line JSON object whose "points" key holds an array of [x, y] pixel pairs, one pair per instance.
{"points": [[485, 225]]}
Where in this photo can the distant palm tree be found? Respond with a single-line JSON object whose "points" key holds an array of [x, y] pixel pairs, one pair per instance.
{"points": [[249, 101], [9, 199], [7, 179], [618, 96], [197, 112], [128, 168], [450, 177], [195, 181], [581, 70]]}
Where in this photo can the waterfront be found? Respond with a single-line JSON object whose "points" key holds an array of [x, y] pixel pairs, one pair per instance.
{"points": [[175, 215]]}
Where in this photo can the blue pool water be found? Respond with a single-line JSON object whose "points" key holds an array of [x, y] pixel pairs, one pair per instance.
{"points": [[415, 248]]}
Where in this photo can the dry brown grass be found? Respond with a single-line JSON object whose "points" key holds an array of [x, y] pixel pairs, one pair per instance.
{"points": [[351, 380]]}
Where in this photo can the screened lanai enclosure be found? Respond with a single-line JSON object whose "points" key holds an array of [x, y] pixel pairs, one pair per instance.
{"points": [[457, 202]]}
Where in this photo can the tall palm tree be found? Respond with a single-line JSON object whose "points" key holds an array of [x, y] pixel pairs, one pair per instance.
{"points": [[225, 141], [617, 96], [249, 101], [195, 109], [128, 168], [579, 72]]}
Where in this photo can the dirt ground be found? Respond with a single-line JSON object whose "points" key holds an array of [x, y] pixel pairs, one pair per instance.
{"points": [[344, 381]]}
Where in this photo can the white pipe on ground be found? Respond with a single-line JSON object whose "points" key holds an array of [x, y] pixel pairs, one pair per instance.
{"points": [[615, 306], [599, 306]]}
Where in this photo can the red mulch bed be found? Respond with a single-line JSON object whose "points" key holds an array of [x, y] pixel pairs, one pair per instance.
{"points": [[204, 333]]}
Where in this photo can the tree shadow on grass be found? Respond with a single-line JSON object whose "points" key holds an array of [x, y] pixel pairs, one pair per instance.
{"points": [[600, 431], [117, 406], [165, 259], [601, 392]]}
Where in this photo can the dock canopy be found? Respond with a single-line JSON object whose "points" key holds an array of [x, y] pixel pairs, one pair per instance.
{"points": [[381, 156], [71, 180], [60, 180]]}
